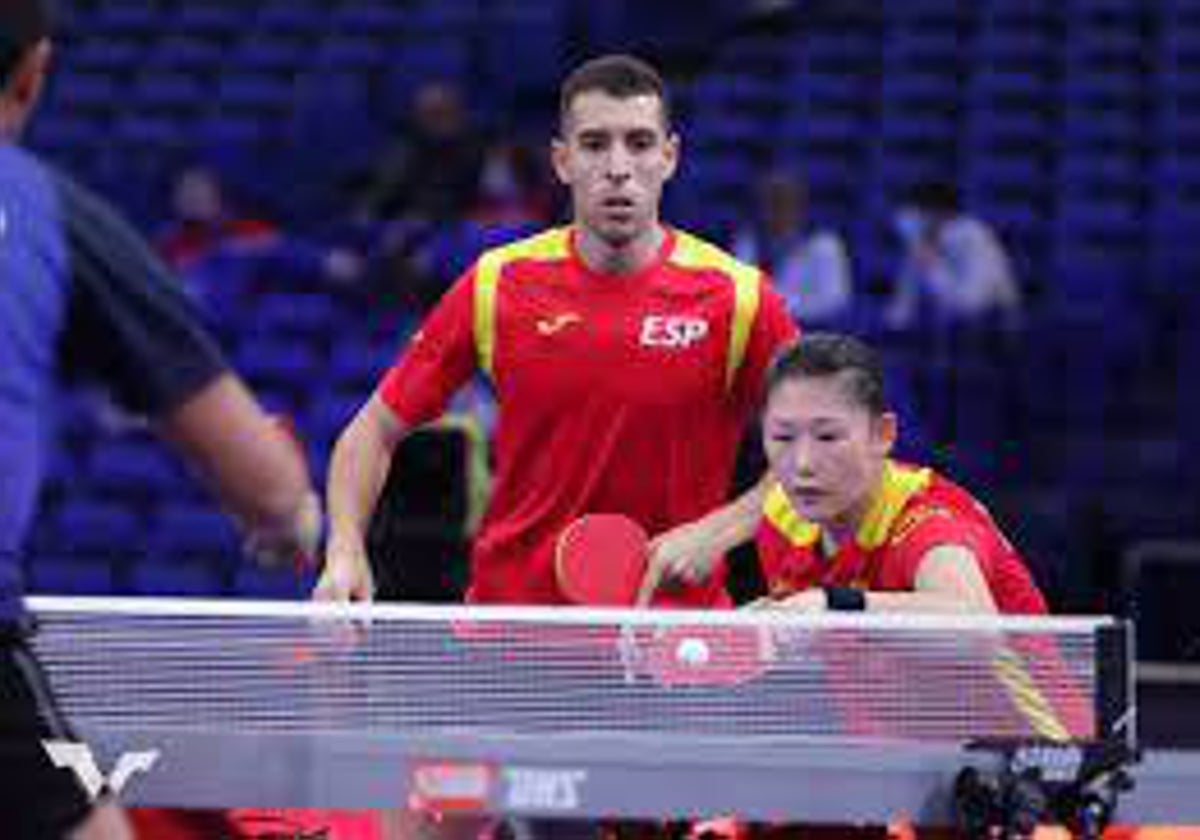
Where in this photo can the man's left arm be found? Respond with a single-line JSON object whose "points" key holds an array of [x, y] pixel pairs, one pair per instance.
{"points": [[690, 552]]}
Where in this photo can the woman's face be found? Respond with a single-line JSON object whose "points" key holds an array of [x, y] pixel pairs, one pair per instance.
{"points": [[825, 448]]}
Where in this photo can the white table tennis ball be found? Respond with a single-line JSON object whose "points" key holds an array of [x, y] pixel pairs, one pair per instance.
{"points": [[692, 652]]}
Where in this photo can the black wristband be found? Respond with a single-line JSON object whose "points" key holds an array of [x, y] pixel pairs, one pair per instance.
{"points": [[845, 599]]}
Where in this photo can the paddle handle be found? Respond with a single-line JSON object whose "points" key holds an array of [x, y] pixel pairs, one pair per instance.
{"points": [[627, 647], [648, 586]]}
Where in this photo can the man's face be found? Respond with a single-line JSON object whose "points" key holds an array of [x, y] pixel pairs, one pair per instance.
{"points": [[825, 449], [615, 155]]}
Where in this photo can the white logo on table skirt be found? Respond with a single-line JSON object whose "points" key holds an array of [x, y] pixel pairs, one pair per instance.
{"points": [[1057, 762], [79, 759], [672, 331], [543, 789]]}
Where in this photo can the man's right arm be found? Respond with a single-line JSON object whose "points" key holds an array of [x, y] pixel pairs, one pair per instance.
{"points": [[357, 473], [438, 359]]}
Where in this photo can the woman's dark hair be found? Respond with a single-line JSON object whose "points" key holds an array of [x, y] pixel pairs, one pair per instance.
{"points": [[819, 355]]}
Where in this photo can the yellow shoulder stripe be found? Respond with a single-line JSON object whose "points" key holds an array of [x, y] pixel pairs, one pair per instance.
{"points": [[694, 253], [550, 245], [899, 484], [783, 517]]}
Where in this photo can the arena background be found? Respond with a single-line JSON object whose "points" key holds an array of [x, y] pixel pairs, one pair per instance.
{"points": [[1073, 127]]}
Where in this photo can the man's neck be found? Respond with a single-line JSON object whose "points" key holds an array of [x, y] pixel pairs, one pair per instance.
{"points": [[605, 258]]}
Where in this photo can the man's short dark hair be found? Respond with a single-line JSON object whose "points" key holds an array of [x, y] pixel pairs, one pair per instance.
{"points": [[618, 75], [22, 24], [823, 355]]}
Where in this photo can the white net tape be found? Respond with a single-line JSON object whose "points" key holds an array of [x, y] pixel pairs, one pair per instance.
{"points": [[196, 666]]}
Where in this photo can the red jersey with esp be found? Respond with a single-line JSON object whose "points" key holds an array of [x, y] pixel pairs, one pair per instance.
{"points": [[615, 393], [915, 511]]}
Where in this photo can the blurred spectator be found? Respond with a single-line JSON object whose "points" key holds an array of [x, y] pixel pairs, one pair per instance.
{"points": [[204, 222], [514, 190], [419, 197], [432, 172], [810, 267], [954, 269]]}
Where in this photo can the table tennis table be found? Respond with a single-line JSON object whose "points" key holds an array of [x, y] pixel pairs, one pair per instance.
{"points": [[545, 712]]}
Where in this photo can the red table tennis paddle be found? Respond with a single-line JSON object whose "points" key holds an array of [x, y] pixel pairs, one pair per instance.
{"points": [[602, 560]]}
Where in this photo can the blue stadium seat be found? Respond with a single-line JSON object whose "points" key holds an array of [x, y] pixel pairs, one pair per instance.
{"points": [[139, 470], [353, 53], [822, 131], [112, 53], [127, 17], [1001, 78], [226, 131], [1024, 132], [173, 89], [296, 314], [87, 529], [252, 581], [300, 17], [710, 127], [278, 361], [938, 88], [269, 53], [1085, 80], [150, 130], [85, 89], [263, 92], [1177, 170], [48, 575], [988, 172], [432, 17], [65, 133], [185, 532], [1121, 171], [215, 21], [372, 17], [172, 577]]}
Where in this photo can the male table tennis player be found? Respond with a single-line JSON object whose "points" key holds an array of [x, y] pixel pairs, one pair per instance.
{"points": [[626, 356], [80, 292]]}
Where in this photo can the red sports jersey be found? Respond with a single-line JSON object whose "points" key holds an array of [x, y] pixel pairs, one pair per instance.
{"points": [[916, 510], [616, 393]]}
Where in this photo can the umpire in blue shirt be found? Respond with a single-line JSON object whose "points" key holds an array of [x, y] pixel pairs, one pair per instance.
{"points": [[81, 294]]}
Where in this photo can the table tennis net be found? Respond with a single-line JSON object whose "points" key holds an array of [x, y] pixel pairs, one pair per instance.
{"points": [[197, 666]]}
